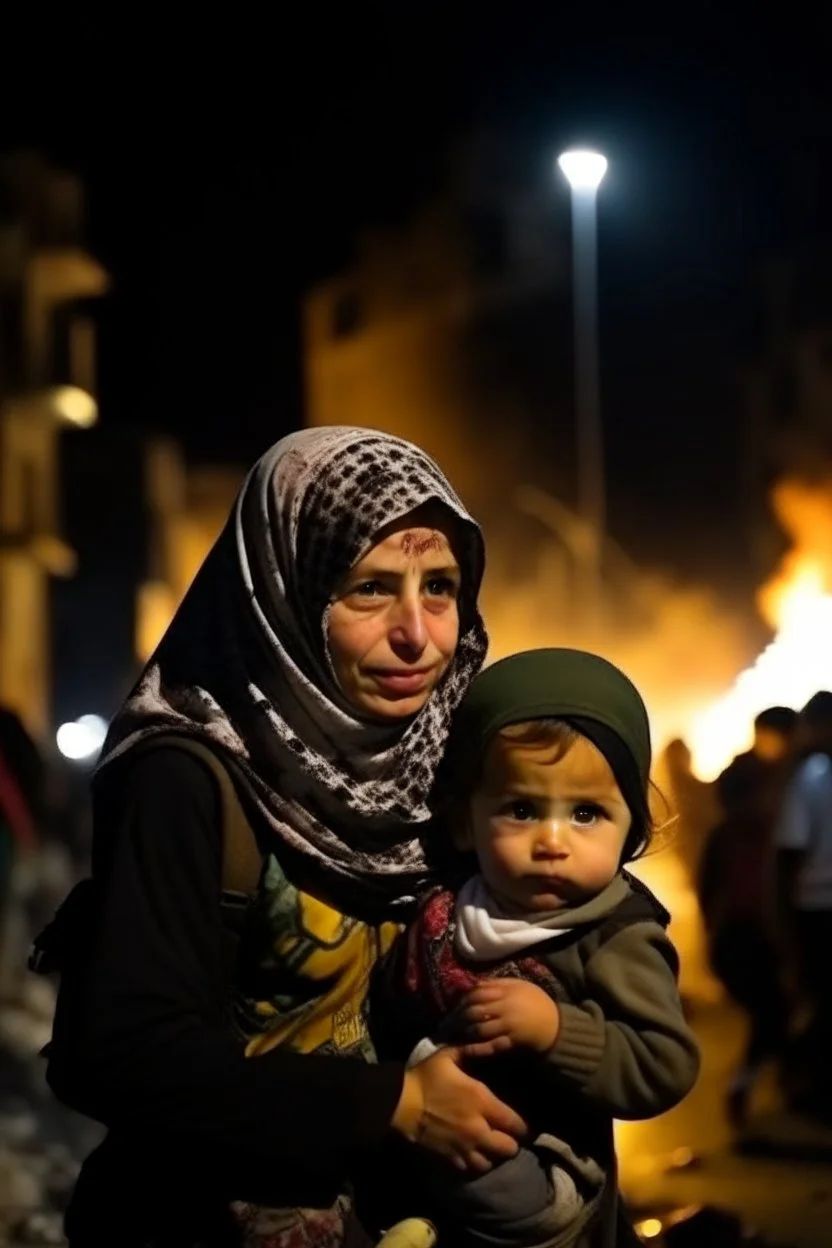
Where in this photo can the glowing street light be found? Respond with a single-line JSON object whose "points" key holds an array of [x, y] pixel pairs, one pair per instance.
{"points": [[64, 406], [71, 405], [584, 170], [82, 739]]}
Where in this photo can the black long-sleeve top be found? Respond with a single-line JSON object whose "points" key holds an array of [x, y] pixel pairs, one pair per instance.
{"points": [[184, 1105]]}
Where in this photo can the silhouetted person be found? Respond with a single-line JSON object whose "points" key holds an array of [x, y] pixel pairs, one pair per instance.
{"points": [[694, 802], [803, 872], [760, 768], [732, 897], [21, 796]]}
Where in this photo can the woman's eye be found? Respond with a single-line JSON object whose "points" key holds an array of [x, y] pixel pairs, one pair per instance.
{"points": [[368, 589], [441, 587]]}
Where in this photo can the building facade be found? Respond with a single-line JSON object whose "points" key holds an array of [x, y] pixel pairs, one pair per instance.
{"points": [[138, 549], [455, 330], [187, 508], [47, 384]]}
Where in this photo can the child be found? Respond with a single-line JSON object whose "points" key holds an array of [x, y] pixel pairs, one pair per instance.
{"points": [[551, 959]]}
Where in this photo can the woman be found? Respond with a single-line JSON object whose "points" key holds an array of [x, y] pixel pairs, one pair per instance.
{"points": [[320, 652]]}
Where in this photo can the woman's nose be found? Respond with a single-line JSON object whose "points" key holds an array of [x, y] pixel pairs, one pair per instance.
{"points": [[408, 624]]}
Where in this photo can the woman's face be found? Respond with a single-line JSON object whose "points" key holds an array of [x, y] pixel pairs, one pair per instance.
{"points": [[393, 622]]}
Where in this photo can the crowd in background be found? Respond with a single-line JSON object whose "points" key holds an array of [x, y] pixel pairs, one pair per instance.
{"points": [[758, 844]]}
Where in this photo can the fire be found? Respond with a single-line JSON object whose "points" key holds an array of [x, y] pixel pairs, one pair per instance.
{"points": [[681, 646], [797, 603]]}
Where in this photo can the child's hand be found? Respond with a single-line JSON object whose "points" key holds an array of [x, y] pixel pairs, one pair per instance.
{"points": [[509, 1012]]}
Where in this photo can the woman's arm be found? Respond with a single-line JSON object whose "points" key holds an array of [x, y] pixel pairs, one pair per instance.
{"points": [[153, 1049]]}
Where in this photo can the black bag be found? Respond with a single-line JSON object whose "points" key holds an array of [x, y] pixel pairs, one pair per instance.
{"points": [[63, 947]]}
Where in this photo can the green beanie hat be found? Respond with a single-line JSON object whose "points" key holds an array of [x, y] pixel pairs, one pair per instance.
{"points": [[558, 683]]}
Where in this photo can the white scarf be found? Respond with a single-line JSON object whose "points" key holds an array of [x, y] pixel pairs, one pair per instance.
{"points": [[485, 933], [244, 664]]}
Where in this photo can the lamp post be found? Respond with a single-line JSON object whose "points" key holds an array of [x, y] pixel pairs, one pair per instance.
{"points": [[584, 170]]}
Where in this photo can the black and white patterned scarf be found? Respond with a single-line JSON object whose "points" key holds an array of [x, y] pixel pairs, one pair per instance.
{"points": [[244, 664]]}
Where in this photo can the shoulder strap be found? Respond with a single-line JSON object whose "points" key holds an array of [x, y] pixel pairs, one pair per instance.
{"points": [[242, 860]]}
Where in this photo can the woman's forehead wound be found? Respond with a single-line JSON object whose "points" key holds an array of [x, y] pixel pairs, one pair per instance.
{"points": [[414, 542]]}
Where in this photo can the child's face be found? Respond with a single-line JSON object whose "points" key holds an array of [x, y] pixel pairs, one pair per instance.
{"points": [[548, 825]]}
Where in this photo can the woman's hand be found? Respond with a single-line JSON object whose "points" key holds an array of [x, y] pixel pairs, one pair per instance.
{"points": [[509, 1013], [443, 1109]]}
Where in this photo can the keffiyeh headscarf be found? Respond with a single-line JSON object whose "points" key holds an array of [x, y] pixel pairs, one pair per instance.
{"points": [[244, 665]]}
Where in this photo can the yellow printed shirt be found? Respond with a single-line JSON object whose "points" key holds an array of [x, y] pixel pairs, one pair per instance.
{"points": [[303, 973]]}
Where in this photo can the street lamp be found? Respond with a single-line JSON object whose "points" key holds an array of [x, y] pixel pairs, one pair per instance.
{"points": [[584, 170], [81, 739], [71, 405]]}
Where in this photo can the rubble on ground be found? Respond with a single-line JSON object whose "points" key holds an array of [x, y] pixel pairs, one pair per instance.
{"points": [[42, 1144]]}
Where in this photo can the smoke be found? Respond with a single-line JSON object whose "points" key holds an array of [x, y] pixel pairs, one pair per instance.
{"points": [[678, 643]]}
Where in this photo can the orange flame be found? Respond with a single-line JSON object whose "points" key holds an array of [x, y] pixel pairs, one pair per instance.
{"points": [[797, 603], [804, 512]]}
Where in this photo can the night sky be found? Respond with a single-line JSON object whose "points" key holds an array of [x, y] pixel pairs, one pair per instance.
{"points": [[228, 167]]}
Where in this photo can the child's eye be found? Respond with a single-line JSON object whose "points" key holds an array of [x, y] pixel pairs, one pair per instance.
{"points": [[521, 810], [588, 813]]}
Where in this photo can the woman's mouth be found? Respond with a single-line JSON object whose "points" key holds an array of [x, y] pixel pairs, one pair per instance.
{"points": [[403, 683]]}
